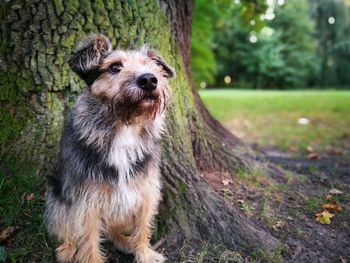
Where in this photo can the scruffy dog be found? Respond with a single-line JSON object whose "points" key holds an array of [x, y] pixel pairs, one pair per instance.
{"points": [[107, 179]]}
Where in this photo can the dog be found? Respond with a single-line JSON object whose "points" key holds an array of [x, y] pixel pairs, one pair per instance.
{"points": [[107, 180]]}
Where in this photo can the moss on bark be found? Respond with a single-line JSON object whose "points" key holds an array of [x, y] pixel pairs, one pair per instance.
{"points": [[37, 87]]}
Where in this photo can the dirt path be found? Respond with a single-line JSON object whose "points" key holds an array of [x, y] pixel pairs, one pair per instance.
{"points": [[286, 203], [315, 242]]}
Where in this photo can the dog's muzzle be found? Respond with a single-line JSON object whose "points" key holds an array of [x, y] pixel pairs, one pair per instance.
{"points": [[147, 82]]}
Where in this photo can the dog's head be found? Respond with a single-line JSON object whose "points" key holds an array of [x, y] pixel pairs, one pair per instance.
{"points": [[135, 81]]}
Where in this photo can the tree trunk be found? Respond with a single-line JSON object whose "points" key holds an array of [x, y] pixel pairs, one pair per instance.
{"points": [[38, 89]]}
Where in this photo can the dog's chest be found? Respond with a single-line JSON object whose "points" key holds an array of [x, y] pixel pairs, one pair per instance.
{"points": [[128, 148], [124, 200]]}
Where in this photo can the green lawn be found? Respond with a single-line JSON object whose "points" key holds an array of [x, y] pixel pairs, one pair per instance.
{"points": [[270, 118]]}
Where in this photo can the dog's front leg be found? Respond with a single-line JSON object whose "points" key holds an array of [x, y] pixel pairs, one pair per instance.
{"points": [[140, 237], [89, 240]]}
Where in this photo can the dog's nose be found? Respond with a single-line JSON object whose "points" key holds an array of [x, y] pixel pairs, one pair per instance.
{"points": [[147, 81]]}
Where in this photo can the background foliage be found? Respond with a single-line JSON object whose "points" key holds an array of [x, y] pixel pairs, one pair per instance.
{"points": [[271, 44]]}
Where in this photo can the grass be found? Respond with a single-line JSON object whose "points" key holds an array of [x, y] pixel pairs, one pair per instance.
{"points": [[314, 203], [21, 206], [270, 118], [208, 253]]}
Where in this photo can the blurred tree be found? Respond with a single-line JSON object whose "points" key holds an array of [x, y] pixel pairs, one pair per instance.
{"points": [[280, 54], [208, 17], [333, 32], [230, 45], [309, 44], [297, 30], [205, 17], [264, 65]]}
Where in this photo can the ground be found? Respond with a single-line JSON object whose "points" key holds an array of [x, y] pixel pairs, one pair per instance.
{"points": [[312, 168], [315, 157]]}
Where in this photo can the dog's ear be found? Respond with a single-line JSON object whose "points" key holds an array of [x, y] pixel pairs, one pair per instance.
{"points": [[89, 55], [153, 54]]}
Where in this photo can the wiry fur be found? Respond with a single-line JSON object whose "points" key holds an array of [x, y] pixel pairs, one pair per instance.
{"points": [[107, 182]]}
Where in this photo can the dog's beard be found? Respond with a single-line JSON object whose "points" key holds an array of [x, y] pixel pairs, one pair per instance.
{"points": [[138, 103]]}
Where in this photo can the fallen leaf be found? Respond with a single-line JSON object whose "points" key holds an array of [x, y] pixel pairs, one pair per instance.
{"points": [[6, 233], [279, 225], [27, 197], [335, 206], [324, 217], [310, 149], [337, 152], [328, 197], [335, 192], [313, 156], [292, 149], [226, 182], [290, 218]]}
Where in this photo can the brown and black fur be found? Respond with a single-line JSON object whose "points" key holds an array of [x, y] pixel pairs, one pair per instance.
{"points": [[106, 183]]}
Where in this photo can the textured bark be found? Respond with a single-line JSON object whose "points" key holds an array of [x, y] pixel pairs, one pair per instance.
{"points": [[38, 89], [179, 13]]}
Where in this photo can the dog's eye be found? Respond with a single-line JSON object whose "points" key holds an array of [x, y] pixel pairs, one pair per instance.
{"points": [[115, 68]]}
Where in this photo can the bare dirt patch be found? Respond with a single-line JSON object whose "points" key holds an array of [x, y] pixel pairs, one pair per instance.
{"points": [[287, 202]]}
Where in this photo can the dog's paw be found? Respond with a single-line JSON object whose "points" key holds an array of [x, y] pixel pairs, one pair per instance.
{"points": [[65, 252], [149, 256]]}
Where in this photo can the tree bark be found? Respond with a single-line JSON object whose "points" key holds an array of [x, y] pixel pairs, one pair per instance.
{"points": [[38, 89]]}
